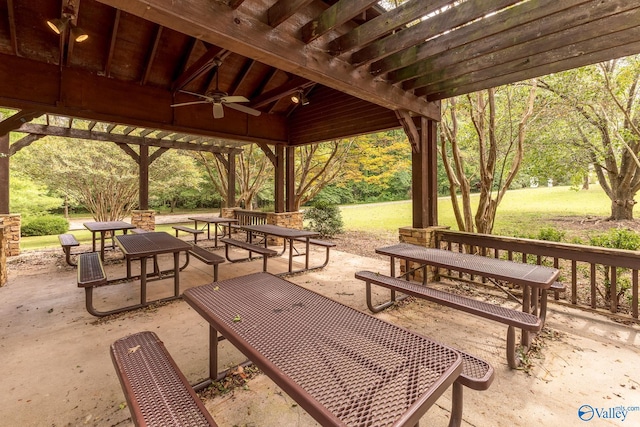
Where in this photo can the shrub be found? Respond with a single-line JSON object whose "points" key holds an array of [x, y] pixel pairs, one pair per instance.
{"points": [[617, 238], [324, 218], [44, 226], [550, 234]]}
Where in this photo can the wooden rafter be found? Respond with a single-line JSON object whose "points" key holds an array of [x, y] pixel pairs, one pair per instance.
{"points": [[16, 120], [427, 28], [12, 27], [203, 64], [281, 91], [23, 142], [152, 55], [284, 9], [338, 14], [383, 24], [112, 44], [241, 76], [45, 130]]}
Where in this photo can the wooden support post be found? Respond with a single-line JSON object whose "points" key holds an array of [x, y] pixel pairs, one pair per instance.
{"points": [[279, 179], [143, 166], [231, 181], [290, 179], [424, 175], [4, 174]]}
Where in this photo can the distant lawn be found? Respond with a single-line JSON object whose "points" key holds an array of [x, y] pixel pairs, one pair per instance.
{"points": [[521, 211]]}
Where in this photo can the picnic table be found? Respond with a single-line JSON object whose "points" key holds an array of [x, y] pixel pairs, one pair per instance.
{"points": [[104, 227], [216, 221], [344, 367], [289, 235]]}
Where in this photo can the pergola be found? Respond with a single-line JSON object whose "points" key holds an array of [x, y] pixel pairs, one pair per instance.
{"points": [[364, 66]]}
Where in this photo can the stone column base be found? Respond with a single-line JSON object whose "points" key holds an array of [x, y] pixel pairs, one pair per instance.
{"points": [[145, 219], [3, 257], [11, 224], [227, 213], [284, 219], [421, 237]]}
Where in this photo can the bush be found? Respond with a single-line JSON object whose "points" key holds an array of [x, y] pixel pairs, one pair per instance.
{"points": [[45, 225], [617, 238], [324, 218], [550, 234]]}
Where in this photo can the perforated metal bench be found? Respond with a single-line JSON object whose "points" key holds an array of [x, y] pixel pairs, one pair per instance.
{"points": [[265, 252], [512, 318], [188, 230], [323, 243], [157, 392], [208, 258], [67, 241]]}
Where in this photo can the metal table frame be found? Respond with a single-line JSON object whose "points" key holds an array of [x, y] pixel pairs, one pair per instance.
{"points": [[217, 221], [288, 234], [343, 366], [102, 227]]}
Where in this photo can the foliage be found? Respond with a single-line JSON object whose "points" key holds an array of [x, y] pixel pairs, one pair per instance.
{"points": [[550, 234], [44, 225], [617, 238], [29, 198], [324, 218], [168, 186]]}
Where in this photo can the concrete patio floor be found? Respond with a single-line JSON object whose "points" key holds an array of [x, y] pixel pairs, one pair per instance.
{"points": [[56, 369]]}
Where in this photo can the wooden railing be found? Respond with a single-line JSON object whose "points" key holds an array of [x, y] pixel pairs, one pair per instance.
{"points": [[247, 217], [596, 279]]}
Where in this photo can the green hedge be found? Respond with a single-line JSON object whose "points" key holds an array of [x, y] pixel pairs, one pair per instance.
{"points": [[44, 226]]}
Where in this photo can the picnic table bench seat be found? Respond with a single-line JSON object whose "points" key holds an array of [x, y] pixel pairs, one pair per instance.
{"points": [[317, 242], [512, 318], [139, 231], [265, 252], [156, 391], [67, 241], [193, 231], [208, 258]]}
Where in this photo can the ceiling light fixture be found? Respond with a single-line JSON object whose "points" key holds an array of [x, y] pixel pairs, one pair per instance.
{"points": [[299, 98], [59, 25]]}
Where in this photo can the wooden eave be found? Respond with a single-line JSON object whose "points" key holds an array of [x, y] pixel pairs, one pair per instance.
{"points": [[361, 66]]}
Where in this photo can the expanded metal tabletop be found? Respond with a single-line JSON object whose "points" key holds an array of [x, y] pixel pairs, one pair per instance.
{"points": [[103, 227], [215, 220], [344, 367], [515, 272]]}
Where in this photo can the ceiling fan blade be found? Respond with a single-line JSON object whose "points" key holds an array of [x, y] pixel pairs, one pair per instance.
{"points": [[194, 94], [234, 98], [243, 109], [182, 104], [218, 111]]}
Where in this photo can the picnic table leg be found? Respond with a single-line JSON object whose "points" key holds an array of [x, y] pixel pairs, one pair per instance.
{"points": [[143, 280], [306, 255], [290, 255], [456, 405], [102, 234], [176, 273], [213, 353]]}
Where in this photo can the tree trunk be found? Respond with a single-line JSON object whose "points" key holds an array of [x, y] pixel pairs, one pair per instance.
{"points": [[622, 208], [585, 182]]}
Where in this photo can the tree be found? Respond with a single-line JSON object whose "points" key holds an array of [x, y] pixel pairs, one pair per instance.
{"points": [[495, 121], [603, 102], [104, 181], [166, 184], [318, 165]]}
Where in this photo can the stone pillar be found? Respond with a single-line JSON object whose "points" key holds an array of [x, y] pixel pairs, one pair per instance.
{"points": [[145, 219], [3, 257], [11, 224], [422, 237], [227, 213], [284, 219]]}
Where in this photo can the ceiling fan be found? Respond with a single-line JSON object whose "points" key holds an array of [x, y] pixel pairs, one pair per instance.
{"points": [[219, 98]]}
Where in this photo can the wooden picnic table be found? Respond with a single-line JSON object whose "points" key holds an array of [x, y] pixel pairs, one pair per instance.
{"points": [[216, 221], [344, 367], [104, 227]]}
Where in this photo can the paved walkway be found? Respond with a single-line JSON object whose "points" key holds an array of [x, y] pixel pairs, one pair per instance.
{"points": [[56, 369]]}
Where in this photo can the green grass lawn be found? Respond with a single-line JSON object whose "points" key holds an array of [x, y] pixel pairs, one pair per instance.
{"points": [[526, 210], [522, 212]]}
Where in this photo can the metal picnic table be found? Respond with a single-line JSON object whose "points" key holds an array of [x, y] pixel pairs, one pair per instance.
{"points": [[102, 227], [344, 367], [216, 221]]}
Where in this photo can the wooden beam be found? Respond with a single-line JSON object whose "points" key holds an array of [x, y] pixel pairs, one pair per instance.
{"points": [[290, 179], [143, 178], [118, 138], [231, 181], [428, 28], [4, 174], [151, 56], [279, 180], [573, 57], [112, 44], [269, 153], [203, 64], [246, 34], [12, 27], [338, 14], [16, 120], [286, 89], [284, 9], [409, 129], [511, 18], [383, 24], [590, 20], [156, 154], [129, 151], [608, 46], [23, 142], [241, 76], [234, 4]]}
